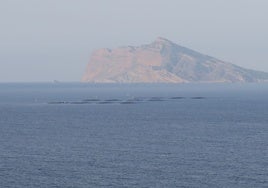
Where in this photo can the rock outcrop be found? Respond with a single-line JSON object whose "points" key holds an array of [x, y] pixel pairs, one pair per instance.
{"points": [[163, 62]]}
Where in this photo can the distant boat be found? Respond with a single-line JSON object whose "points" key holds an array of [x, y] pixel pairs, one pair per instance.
{"points": [[56, 82]]}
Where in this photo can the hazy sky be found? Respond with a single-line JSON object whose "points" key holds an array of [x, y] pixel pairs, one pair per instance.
{"points": [[46, 40]]}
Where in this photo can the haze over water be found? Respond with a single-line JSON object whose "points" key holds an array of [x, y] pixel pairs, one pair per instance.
{"points": [[73, 135], [170, 136]]}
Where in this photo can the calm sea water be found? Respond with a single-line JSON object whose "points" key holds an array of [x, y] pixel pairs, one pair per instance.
{"points": [[79, 135]]}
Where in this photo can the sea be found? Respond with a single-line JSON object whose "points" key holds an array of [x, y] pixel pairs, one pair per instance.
{"points": [[72, 135]]}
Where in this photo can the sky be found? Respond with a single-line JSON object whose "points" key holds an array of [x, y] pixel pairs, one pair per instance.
{"points": [[46, 40]]}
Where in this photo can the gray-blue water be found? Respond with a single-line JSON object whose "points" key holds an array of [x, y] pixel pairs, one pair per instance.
{"points": [[79, 135]]}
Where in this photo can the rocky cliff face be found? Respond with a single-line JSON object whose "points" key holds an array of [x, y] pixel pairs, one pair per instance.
{"points": [[163, 62]]}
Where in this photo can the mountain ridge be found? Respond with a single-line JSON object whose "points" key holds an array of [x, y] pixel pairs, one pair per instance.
{"points": [[163, 61]]}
